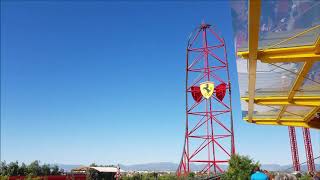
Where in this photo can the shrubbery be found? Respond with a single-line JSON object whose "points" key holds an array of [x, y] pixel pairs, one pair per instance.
{"points": [[33, 169], [150, 176], [240, 168]]}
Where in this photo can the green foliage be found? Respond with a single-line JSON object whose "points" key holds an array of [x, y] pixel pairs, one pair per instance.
{"points": [[93, 165], [150, 176], [55, 170], [4, 177], [306, 177], [191, 175], [134, 177], [97, 165], [240, 168], [3, 168], [45, 170], [23, 170], [13, 168], [34, 168], [168, 177], [31, 170], [32, 178]]}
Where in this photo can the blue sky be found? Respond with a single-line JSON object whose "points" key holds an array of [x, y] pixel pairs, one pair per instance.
{"points": [[73, 78]]}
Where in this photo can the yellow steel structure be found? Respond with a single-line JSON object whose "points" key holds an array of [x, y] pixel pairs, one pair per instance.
{"points": [[311, 101], [308, 55], [253, 26], [290, 54]]}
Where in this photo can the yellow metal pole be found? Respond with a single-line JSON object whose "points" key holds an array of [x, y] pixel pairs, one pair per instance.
{"points": [[299, 79], [282, 111], [310, 101], [296, 85], [317, 46], [290, 54], [311, 114], [295, 36], [253, 30]]}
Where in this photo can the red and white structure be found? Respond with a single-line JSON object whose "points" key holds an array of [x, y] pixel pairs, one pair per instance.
{"points": [[294, 148], [209, 137], [308, 149], [118, 173]]}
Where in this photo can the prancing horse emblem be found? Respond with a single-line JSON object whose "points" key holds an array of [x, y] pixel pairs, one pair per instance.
{"points": [[206, 89]]}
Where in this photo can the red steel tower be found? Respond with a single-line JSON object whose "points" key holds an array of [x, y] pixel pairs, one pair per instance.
{"points": [[308, 149], [209, 137], [294, 148]]}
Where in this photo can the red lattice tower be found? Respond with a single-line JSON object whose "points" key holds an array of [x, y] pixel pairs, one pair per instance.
{"points": [[117, 176], [308, 148], [209, 137], [294, 148]]}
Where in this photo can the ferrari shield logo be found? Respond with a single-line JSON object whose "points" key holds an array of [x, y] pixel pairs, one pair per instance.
{"points": [[206, 89]]}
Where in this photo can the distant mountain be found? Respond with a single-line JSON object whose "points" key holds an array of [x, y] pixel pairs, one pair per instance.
{"points": [[168, 166], [68, 167], [277, 167], [162, 166], [272, 167]]}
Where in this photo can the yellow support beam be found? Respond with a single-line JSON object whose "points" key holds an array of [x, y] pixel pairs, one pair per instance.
{"points": [[312, 113], [295, 36], [290, 54], [299, 124], [299, 79], [309, 54], [278, 51], [282, 111], [253, 43], [310, 101], [317, 46], [284, 122], [296, 85], [306, 56]]}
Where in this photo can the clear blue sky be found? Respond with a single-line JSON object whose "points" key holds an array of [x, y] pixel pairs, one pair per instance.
{"points": [[73, 78]]}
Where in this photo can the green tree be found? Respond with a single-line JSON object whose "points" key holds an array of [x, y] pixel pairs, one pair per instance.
{"points": [[4, 177], [168, 177], [3, 168], [306, 177], [45, 170], [191, 175], [55, 170], [23, 170], [34, 169], [93, 165], [13, 169], [240, 168]]}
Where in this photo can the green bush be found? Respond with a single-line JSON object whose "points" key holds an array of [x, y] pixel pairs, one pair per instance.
{"points": [[150, 176], [33, 169], [240, 168], [306, 177], [167, 177], [4, 177]]}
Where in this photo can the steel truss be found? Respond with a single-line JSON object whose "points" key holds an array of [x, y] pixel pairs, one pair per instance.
{"points": [[209, 137]]}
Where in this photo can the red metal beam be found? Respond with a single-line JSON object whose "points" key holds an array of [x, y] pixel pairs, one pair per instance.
{"points": [[308, 147], [205, 124], [294, 148]]}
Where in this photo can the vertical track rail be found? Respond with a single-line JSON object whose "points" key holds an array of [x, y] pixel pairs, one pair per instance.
{"points": [[209, 137], [308, 148], [294, 148]]}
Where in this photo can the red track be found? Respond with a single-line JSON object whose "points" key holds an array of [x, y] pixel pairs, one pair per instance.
{"points": [[308, 149], [209, 137], [294, 148]]}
